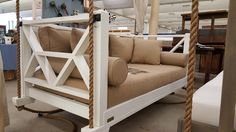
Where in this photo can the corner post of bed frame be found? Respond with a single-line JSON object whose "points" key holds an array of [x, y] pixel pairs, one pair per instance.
{"points": [[101, 27], [186, 50], [186, 43], [25, 55]]}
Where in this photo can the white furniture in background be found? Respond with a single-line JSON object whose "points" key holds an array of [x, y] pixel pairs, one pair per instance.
{"points": [[207, 101]]}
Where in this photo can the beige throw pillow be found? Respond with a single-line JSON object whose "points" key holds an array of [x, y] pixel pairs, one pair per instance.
{"points": [[147, 51], [121, 47]]}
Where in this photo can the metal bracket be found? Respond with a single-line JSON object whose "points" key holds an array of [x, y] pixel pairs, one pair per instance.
{"points": [[96, 17], [20, 23]]}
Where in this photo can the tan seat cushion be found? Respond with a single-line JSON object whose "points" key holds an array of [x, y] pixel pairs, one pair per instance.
{"points": [[152, 77], [117, 69], [146, 51], [121, 47], [176, 59], [53, 39], [76, 35]]}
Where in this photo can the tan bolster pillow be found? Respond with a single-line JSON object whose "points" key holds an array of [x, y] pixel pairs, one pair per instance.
{"points": [[177, 59], [117, 69]]}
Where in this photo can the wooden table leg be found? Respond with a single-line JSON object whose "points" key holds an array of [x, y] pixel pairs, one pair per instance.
{"points": [[221, 61], [208, 66]]}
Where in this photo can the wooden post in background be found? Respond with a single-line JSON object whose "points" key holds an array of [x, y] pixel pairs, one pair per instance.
{"points": [[227, 111], [183, 24], [153, 21], [140, 7], [36, 4]]}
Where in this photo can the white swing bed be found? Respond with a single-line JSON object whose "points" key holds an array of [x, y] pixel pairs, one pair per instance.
{"points": [[32, 56]]}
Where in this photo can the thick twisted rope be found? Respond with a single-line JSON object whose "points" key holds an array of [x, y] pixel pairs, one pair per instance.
{"points": [[91, 64], [191, 66], [18, 76]]}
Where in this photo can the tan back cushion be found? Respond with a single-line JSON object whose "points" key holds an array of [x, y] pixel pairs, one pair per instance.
{"points": [[53, 39], [121, 47], [76, 35], [176, 59], [117, 69], [147, 51]]}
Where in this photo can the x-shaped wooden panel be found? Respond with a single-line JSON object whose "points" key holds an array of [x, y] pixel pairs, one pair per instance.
{"points": [[74, 59]]}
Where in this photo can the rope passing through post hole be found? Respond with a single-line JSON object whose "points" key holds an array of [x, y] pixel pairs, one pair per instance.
{"points": [[91, 64], [191, 66]]}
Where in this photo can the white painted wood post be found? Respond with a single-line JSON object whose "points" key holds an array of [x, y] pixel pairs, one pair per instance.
{"points": [[186, 43], [25, 55], [100, 67], [36, 4]]}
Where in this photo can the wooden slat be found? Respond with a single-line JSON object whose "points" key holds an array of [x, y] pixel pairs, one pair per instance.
{"points": [[83, 68], [63, 89], [67, 19], [65, 72], [146, 36], [30, 67], [82, 44], [34, 44], [46, 68], [54, 54], [69, 105]]}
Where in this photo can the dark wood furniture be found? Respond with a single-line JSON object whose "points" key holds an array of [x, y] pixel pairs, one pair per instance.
{"points": [[211, 35], [207, 51], [206, 15]]}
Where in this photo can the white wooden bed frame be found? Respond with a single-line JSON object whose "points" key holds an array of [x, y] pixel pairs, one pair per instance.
{"points": [[32, 56]]}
